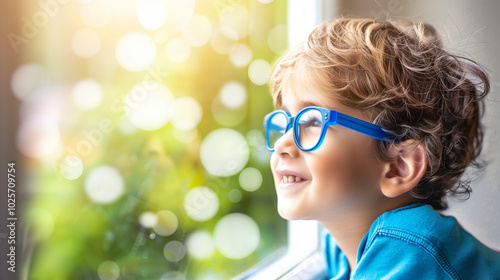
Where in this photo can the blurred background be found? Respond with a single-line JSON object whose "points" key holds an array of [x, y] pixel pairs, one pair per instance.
{"points": [[136, 129]]}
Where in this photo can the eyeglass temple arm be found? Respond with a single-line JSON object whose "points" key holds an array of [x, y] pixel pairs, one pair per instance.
{"points": [[361, 126]]}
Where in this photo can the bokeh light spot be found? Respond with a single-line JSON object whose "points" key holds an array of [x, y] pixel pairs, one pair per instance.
{"points": [[104, 185], [86, 43], [250, 179], [152, 14], [174, 251], [234, 195], [198, 32], [178, 50], [199, 245], [233, 95], [38, 136], [27, 78], [71, 167], [149, 105], [108, 270], [224, 152], [201, 204], [148, 219], [259, 72], [240, 55], [87, 94], [277, 39], [236, 236], [46, 102], [187, 113], [167, 223], [135, 51]]}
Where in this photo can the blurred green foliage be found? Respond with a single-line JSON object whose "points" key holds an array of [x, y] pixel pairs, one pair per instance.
{"points": [[71, 236]]}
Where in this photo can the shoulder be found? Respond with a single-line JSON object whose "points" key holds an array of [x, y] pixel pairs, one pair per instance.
{"points": [[416, 240]]}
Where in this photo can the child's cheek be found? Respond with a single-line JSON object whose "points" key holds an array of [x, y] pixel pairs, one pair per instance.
{"points": [[274, 163]]}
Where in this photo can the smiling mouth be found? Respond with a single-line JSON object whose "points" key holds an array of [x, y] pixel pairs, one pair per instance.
{"points": [[292, 179]]}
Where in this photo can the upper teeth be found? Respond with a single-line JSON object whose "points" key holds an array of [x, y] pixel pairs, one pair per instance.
{"points": [[291, 179]]}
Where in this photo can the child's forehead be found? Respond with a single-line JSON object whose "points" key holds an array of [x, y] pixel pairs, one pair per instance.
{"points": [[307, 87], [302, 88], [301, 95]]}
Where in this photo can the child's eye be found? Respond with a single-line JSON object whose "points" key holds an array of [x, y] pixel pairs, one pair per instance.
{"points": [[313, 123], [310, 121]]}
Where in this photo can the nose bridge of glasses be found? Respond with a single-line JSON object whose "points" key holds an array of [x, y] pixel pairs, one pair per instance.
{"points": [[290, 120], [282, 139]]}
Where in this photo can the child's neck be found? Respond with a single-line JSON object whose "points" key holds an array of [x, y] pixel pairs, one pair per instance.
{"points": [[349, 230], [348, 234]]}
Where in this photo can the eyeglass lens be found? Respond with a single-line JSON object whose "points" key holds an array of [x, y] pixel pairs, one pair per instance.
{"points": [[276, 128], [308, 125]]}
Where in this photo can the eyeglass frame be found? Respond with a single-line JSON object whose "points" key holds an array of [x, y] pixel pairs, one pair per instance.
{"points": [[332, 117]]}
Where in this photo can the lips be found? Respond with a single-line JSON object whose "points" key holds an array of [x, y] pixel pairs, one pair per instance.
{"points": [[290, 176], [292, 179]]}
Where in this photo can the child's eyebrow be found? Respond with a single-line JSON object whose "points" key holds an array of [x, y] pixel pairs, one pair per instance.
{"points": [[302, 105], [309, 104]]}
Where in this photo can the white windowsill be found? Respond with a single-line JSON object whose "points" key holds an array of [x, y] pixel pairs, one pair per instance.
{"points": [[303, 256]]}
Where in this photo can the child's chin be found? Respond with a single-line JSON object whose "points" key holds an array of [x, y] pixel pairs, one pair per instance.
{"points": [[289, 213]]}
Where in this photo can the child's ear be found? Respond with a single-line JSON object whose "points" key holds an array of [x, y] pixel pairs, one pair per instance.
{"points": [[405, 170]]}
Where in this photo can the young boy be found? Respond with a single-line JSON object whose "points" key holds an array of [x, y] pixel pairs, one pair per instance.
{"points": [[376, 125]]}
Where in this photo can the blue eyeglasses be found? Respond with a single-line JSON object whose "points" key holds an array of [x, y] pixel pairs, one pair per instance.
{"points": [[310, 125]]}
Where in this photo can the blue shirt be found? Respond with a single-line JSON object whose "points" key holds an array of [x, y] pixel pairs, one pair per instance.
{"points": [[415, 242]]}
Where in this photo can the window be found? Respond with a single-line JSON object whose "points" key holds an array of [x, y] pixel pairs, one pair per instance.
{"points": [[141, 130]]}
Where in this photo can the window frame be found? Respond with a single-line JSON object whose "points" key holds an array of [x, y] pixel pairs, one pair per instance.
{"points": [[303, 257]]}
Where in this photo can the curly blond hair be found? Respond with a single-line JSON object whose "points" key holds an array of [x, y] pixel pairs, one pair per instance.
{"points": [[400, 75]]}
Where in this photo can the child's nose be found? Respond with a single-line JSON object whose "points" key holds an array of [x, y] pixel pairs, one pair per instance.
{"points": [[286, 145]]}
